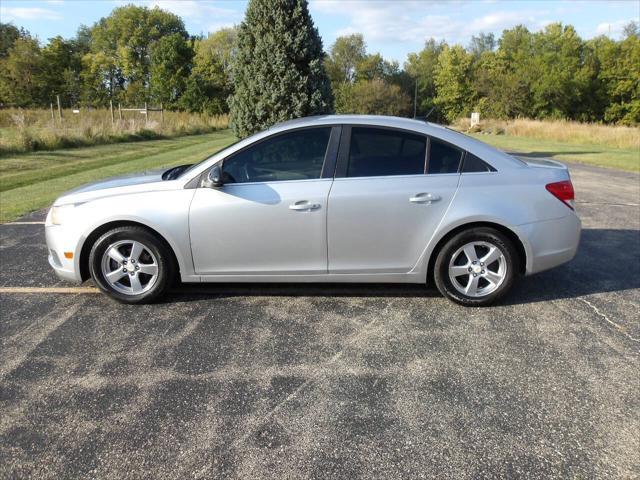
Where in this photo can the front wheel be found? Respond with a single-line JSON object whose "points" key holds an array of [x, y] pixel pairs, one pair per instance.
{"points": [[131, 265], [476, 267]]}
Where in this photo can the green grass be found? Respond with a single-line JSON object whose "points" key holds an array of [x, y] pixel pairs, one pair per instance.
{"points": [[32, 181], [608, 157]]}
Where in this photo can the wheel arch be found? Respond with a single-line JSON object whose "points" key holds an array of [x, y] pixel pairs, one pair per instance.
{"points": [[509, 233], [102, 229]]}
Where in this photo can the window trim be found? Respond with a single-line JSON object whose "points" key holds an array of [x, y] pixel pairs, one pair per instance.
{"points": [[329, 154]]}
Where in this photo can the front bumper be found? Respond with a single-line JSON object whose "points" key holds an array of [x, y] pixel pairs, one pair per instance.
{"points": [[551, 242], [58, 242]]}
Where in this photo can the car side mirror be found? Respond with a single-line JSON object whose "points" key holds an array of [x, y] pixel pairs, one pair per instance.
{"points": [[214, 177]]}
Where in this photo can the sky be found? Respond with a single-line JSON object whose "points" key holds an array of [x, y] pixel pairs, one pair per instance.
{"points": [[393, 28]]}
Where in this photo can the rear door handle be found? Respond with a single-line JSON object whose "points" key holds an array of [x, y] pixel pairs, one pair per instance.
{"points": [[427, 198], [304, 206]]}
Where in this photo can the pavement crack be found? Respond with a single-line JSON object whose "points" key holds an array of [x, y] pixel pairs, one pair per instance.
{"points": [[609, 204], [617, 326]]}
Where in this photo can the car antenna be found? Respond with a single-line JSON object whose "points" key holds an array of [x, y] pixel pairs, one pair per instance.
{"points": [[424, 119], [429, 113]]}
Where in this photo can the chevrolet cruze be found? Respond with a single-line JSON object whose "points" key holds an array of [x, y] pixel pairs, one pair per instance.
{"points": [[324, 199]]}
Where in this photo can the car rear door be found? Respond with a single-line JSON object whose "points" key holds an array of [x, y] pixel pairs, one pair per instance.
{"points": [[269, 217], [391, 190]]}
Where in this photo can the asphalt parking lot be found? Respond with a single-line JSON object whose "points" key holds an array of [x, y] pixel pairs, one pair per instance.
{"points": [[330, 381]]}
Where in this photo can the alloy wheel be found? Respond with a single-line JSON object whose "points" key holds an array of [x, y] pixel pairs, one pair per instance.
{"points": [[129, 267], [477, 269]]}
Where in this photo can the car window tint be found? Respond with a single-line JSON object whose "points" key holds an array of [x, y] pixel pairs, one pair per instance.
{"points": [[296, 155], [443, 158], [473, 164], [376, 152]]}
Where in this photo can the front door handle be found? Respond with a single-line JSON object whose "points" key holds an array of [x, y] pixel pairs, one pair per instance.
{"points": [[304, 206], [427, 198]]}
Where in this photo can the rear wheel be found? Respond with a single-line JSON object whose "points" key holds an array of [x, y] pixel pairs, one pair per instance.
{"points": [[131, 265], [476, 267]]}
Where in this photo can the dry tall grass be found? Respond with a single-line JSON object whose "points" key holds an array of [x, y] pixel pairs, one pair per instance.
{"points": [[29, 130], [559, 130]]}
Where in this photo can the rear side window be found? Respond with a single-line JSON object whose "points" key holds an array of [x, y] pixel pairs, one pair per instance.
{"points": [[376, 152], [296, 155], [443, 158], [473, 164]]}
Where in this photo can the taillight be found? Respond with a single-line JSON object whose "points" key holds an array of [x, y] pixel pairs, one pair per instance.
{"points": [[563, 191]]}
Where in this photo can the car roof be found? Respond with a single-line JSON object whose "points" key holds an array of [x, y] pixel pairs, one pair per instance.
{"points": [[377, 120], [495, 157]]}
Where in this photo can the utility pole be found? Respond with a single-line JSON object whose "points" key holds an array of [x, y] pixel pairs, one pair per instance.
{"points": [[415, 99], [59, 108]]}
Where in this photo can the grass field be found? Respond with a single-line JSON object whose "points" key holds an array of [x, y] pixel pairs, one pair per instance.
{"points": [[34, 129], [31, 181], [602, 156], [563, 131]]}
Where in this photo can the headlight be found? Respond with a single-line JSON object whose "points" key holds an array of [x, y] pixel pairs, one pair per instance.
{"points": [[60, 214]]}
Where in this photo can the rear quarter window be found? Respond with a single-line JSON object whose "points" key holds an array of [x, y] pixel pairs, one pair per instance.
{"points": [[473, 164]]}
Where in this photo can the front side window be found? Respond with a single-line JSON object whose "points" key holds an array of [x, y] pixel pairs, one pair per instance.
{"points": [[443, 158], [296, 155], [376, 152]]}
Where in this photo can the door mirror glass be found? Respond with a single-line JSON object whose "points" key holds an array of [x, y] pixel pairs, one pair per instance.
{"points": [[214, 177]]}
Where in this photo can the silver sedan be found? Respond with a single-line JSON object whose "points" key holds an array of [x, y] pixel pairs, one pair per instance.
{"points": [[324, 199]]}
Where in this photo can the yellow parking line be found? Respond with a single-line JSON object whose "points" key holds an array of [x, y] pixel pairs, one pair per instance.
{"points": [[49, 290], [23, 223]]}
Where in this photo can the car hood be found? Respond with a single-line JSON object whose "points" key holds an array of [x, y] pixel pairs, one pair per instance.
{"points": [[131, 183]]}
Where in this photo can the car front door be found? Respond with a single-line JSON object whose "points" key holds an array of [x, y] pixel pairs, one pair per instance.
{"points": [[391, 190], [269, 216]]}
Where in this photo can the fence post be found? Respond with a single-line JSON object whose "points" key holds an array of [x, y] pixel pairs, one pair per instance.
{"points": [[59, 108], [161, 113], [111, 109], [146, 114], [119, 112]]}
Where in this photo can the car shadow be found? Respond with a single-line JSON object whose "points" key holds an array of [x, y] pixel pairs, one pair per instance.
{"points": [[602, 264]]}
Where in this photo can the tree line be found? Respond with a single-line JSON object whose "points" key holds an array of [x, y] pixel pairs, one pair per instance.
{"points": [[275, 58]]}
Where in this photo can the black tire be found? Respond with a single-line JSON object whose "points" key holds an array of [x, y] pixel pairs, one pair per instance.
{"points": [[156, 246], [480, 234]]}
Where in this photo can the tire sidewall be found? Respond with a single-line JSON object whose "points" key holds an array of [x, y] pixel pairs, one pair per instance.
{"points": [[441, 267], [150, 241]]}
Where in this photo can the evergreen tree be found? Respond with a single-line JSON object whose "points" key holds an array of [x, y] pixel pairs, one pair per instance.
{"points": [[278, 70]]}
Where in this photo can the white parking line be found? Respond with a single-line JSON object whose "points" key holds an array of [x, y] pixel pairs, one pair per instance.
{"points": [[49, 290]]}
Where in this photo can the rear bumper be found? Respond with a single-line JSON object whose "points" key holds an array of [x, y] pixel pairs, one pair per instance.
{"points": [[57, 244], [550, 242]]}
